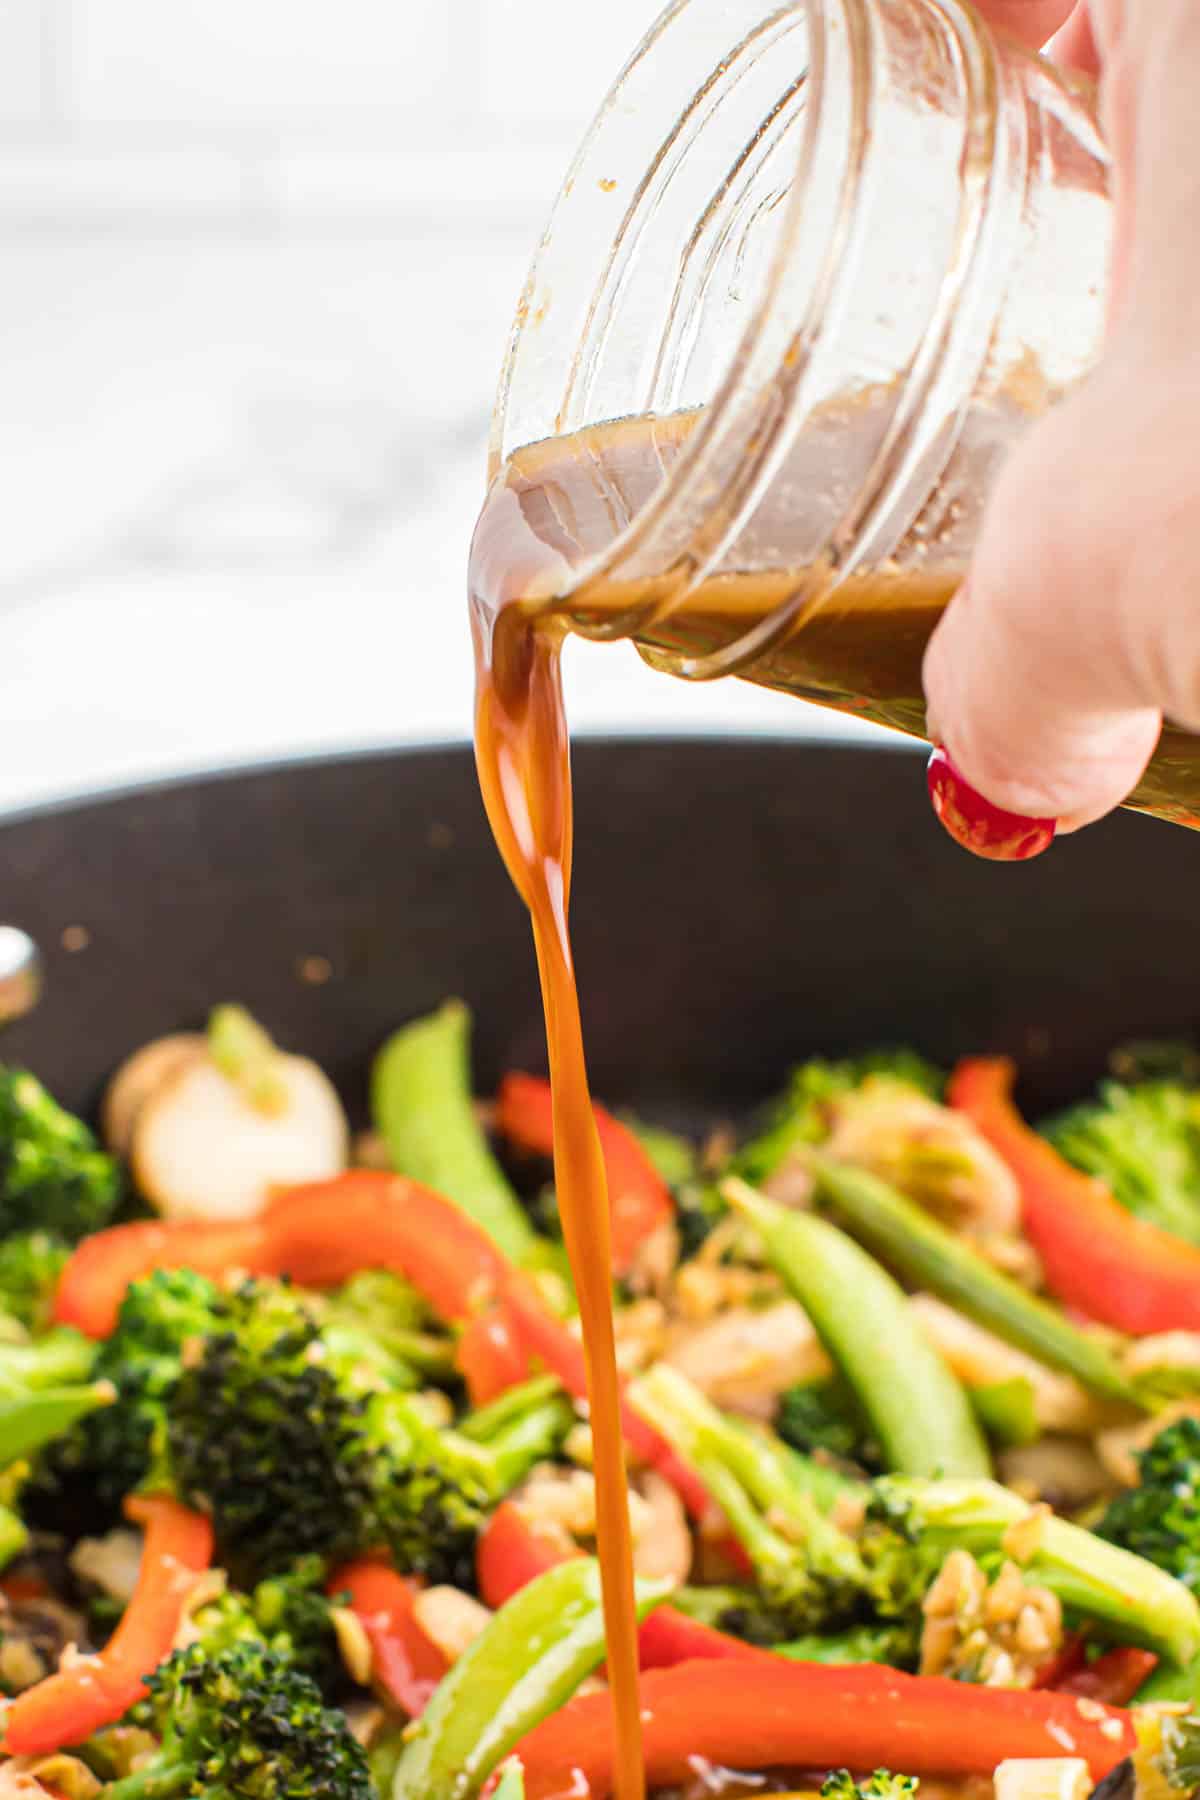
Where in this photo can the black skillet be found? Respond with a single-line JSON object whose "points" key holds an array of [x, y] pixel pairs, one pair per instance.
{"points": [[738, 904]]}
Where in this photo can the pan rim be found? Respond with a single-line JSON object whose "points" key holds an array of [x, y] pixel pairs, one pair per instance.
{"points": [[86, 798]]}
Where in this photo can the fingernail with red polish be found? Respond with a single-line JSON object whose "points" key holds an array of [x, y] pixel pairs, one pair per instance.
{"points": [[983, 829]]}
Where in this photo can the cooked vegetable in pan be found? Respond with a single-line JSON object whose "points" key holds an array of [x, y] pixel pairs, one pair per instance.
{"points": [[295, 1486]]}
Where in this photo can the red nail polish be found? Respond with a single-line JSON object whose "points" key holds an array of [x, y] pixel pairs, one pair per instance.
{"points": [[983, 829]]}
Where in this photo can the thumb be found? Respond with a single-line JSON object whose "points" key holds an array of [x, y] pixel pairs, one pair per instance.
{"points": [[1040, 679], [991, 702]]}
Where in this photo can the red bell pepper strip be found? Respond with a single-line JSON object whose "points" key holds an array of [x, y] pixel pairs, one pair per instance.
{"points": [[513, 1551], [406, 1664], [324, 1232], [815, 1716], [93, 1283], [489, 1358], [1096, 1256], [1070, 1658], [668, 1637], [69, 1706], [638, 1197], [1113, 1678], [319, 1234]]}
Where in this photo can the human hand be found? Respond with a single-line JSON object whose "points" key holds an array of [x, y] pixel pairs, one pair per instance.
{"points": [[1079, 624]]}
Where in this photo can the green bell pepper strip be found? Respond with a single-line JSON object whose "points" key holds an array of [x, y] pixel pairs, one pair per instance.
{"points": [[925, 1253], [532, 1656], [422, 1105], [29, 1420], [916, 1406]]}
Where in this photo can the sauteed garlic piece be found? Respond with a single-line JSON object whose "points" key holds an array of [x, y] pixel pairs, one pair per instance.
{"points": [[212, 1124]]}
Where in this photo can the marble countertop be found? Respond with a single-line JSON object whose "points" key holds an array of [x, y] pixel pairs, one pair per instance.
{"points": [[240, 479]]}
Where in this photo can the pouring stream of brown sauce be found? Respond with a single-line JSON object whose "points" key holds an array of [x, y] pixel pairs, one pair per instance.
{"points": [[524, 771]]}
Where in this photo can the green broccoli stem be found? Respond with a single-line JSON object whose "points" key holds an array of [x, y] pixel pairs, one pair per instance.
{"points": [[1142, 1604], [753, 1478], [248, 1057], [34, 1417], [14, 1535], [61, 1357], [421, 1103], [918, 1410], [484, 1423], [531, 1438], [155, 1782], [925, 1253], [860, 1644]]}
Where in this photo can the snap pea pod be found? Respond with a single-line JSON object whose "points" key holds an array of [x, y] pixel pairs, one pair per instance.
{"points": [[30, 1419], [925, 1253], [1178, 1683], [422, 1105], [919, 1411], [530, 1659]]}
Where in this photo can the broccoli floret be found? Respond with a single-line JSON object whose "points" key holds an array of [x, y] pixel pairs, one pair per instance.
{"points": [[30, 1265], [1178, 1759], [811, 1575], [264, 1432], [382, 1322], [1131, 1599], [882, 1785], [243, 1725], [438, 1485], [822, 1418], [803, 1113], [819, 1580], [80, 1481], [1143, 1142], [53, 1175], [1160, 1518], [289, 1613], [297, 1449]]}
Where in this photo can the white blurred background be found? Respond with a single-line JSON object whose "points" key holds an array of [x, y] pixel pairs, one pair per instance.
{"points": [[259, 259]]}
